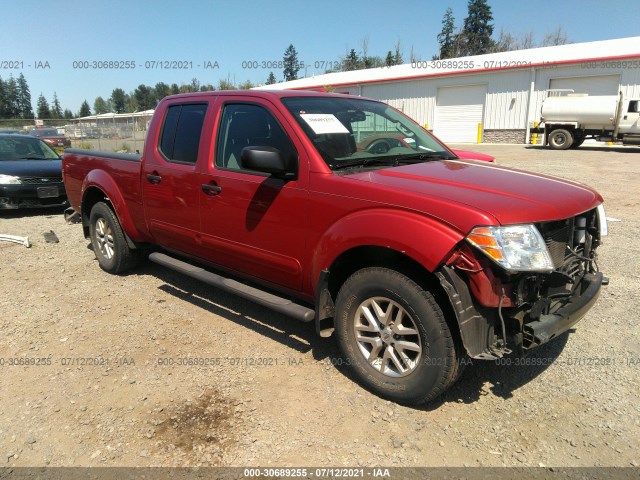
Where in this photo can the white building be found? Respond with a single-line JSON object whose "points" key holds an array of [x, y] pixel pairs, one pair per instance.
{"points": [[501, 94]]}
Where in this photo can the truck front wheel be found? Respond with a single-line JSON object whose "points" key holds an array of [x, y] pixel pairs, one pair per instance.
{"points": [[560, 139], [109, 243], [394, 336]]}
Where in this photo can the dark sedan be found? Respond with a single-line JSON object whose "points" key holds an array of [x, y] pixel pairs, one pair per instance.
{"points": [[30, 173]]}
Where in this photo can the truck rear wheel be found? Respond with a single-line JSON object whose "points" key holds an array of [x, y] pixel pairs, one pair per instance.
{"points": [[109, 243], [394, 336], [560, 139]]}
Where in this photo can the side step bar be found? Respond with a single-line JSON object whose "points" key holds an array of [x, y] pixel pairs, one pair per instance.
{"points": [[260, 297]]}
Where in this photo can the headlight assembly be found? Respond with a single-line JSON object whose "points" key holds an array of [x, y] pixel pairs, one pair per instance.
{"points": [[517, 248], [9, 180]]}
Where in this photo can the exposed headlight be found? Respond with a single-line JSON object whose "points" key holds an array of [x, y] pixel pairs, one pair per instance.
{"points": [[518, 248], [9, 180]]}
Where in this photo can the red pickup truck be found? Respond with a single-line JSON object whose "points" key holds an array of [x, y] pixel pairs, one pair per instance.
{"points": [[415, 259]]}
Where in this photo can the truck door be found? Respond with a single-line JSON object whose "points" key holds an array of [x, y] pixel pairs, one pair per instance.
{"points": [[630, 121], [251, 222], [170, 181]]}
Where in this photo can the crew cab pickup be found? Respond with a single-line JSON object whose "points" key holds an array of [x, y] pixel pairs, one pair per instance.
{"points": [[413, 258]]}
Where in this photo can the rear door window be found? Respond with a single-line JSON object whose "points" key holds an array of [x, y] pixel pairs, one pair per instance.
{"points": [[181, 132]]}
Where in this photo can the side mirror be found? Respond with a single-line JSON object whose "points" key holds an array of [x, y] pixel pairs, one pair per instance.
{"points": [[267, 160]]}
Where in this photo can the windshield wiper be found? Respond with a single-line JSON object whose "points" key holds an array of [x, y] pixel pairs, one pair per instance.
{"points": [[393, 161], [422, 157]]}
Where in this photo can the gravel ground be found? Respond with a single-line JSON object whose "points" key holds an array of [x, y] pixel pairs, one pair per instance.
{"points": [[103, 387]]}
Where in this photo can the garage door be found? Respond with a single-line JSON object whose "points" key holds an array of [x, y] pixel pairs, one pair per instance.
{"points": [[593, 85], [458, 112]]}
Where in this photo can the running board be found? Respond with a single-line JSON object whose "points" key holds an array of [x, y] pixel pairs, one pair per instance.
{"points": [[263, 298]]}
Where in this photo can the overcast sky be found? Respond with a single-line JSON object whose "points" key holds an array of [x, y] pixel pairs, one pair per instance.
{"points": [[200, 33]]}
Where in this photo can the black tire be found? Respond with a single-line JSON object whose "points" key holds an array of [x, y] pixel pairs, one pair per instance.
{"points": [[426, 374], [577, 142], [109, 243], [560, 139]]}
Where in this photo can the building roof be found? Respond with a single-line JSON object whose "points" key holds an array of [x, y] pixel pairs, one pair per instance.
{"points": [[617, 49]]}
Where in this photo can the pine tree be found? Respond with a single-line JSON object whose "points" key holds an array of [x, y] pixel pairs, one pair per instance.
{"points": [[161, 90], [43, 108], [85, 110], [291, 64], [397, 56], [12, 101], [118, 100], [100, 106], [56, 109], [351, 61], [389, 61], [447, 37], [271, 79], [24, 98], [477, 29], [68, 115]]}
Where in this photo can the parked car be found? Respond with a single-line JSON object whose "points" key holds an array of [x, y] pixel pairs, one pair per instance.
{"points": [[30, 173], [414, 259], [52, 138]]}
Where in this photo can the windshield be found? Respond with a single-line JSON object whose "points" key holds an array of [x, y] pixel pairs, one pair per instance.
{"points": [[45, 132], [16, 147], [350, 132]]}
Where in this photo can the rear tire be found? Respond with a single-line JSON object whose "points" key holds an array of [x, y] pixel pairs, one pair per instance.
{"points": [[395, 337], [560, 139], [109, 243]]}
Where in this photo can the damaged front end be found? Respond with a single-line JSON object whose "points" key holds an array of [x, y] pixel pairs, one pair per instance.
{"points": [[533, 283]]}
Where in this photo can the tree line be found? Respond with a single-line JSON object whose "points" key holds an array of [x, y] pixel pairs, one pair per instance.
{"points": [[473, 37]]}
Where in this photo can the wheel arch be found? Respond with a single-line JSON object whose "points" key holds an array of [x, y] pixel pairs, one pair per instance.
{"points": [[99, 186]]}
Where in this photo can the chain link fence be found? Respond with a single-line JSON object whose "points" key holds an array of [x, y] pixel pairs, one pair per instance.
{"points": [[107, 132]]}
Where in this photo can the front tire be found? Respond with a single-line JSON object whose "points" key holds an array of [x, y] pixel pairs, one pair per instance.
{"points": [[395, 337], [109, 243], [560, 139]]}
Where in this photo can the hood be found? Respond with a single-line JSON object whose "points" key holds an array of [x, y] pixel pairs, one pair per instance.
{"points": [[510, 196], [32, 168]]}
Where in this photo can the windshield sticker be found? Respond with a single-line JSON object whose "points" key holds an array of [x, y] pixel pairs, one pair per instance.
{"points": [[324, 123]]}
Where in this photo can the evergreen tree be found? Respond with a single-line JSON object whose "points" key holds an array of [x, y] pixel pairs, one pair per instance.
{"points": [[351, 61], [291, 64], [56, 109], [145, 97], [119, 100], [12, 102], [477, 29], [389, 60], [161, 90], [68, 115], [175, 89], [447, 36], [100, 106], [24, 98], [85, 110], [271, 79], [43, 108]]}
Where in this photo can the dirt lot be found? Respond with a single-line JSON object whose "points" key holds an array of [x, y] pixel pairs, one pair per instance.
{"points": [[104, 386]]}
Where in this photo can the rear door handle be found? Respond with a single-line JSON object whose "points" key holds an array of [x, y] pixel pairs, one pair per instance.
{"points": [[211, 189], [154, 178]]}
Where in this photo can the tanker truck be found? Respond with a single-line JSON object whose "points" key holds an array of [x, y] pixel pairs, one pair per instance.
{"points": [[568, 119]]}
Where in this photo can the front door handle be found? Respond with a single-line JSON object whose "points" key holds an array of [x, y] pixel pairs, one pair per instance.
{"points": [[154, 178], [211, 189]]}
